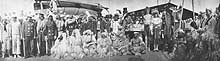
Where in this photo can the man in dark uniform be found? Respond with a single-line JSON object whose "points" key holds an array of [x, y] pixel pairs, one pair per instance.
{"points": [[103, 23], [168, 31], [91, 24], [106, 23], [51, 33], [29, 34]]}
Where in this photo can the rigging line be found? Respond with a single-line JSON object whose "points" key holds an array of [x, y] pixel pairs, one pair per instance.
{"points": [[182, 9], [193, 10], [169, 1], [157, 2]]}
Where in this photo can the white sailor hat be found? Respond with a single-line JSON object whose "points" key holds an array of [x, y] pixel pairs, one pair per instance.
{"points": [[87, 32], [135, 32]]}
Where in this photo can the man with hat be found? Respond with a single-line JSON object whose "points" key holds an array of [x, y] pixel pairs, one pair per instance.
{"points": [[7, 45], [51, 33], [156, 22], [103, 22], [60, 24], [147, 22], [29, 35], [40, 26], [115, 24], [4, 39], [70, 24], [16, 37], [92, 24], [108, 23], [208, 15]]}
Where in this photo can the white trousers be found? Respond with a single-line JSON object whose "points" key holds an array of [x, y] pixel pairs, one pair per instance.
{"points": [[16, 44]]}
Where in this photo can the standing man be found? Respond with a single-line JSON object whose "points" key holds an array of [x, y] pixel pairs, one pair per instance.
{"points": [[92, 24], [147, 22], [60, 25], [29, 35], [70, 24], [6, 42], [8, 38], [108, 23], [16, 37], [115, 24], [51, 33], [168, 31], [40, 26], [157, 22], [103, 22]]}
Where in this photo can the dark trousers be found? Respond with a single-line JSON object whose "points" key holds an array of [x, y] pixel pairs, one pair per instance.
{"points": [[41, 44], [147, 33], [157, 35], [49, 45], [28, 46]]}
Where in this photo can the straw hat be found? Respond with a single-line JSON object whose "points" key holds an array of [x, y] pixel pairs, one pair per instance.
{"points": [[155, 11]]}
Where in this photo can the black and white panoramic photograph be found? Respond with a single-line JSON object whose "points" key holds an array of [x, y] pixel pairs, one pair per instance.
{"points": [[109, 30]]}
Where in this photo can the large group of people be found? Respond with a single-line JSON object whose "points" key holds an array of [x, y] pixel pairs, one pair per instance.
{"points": [[78, 36]]}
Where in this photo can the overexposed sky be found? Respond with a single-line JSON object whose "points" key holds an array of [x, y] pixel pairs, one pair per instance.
{"points": [[132, 5]]}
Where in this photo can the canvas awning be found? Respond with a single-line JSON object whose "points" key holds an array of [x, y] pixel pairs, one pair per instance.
{"points": [[186, 13], [76, 11], [80, 5], [72, 5]]}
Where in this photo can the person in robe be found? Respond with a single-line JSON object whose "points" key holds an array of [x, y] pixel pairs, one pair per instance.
{"points": [[76, 44], [88, 43], [102, 45], [61, 47]]}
